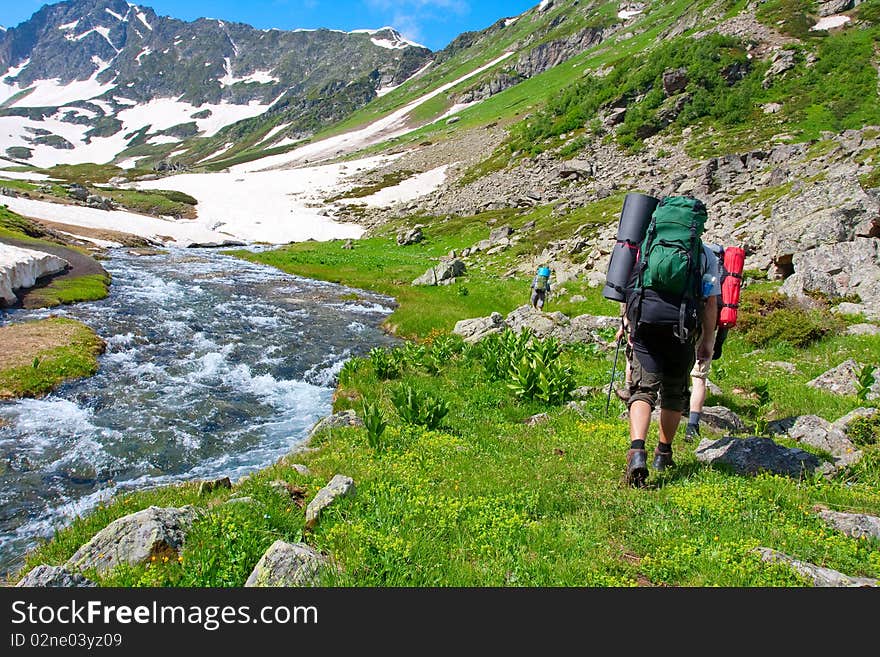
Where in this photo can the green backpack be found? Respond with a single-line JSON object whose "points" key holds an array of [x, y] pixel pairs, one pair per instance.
{"points": [[667, 279]]}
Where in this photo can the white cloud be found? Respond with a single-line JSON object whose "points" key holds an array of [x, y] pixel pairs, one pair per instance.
{"points": [[410, 15]]}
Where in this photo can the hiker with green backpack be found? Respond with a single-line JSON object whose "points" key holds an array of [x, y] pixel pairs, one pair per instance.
{"points": [[540, 287], [670, 312]]}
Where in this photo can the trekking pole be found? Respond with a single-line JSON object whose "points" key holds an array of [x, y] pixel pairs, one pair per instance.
{"points": [[613, 373]]}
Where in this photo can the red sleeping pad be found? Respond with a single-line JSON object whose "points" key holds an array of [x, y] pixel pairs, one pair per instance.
{"points": [[731, 285]]}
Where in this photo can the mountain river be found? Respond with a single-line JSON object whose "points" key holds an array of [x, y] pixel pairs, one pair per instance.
{"points": [[214, 367]]}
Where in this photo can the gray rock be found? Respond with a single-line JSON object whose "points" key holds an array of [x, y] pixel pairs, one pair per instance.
{"points": [[831, 7], [821, 577], [239, 500], [863, 329], [535, 420], [287, 564], [841, 380], [347, 418], [842, 424], [722, 418], [750, 456], [444, 271], [820, 433], [849, 267], [53, 576], [854, 525], [134, 538], [474, 330], [302, 469], [339, 486], [410, 237]]}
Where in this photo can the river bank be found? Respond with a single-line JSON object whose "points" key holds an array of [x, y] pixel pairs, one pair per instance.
{"points": [[213, 367]]}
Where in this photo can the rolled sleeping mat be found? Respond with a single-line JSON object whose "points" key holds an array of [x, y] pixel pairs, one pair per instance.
{"points": [[634, 219], [731, 286], [623, 259]]}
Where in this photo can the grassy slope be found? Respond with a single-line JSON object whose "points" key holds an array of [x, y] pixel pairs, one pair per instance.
{"points": [[485, 500]]}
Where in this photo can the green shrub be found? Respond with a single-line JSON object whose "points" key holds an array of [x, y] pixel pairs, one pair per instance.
{"points": [[864, 382], [770, 317], [385, 364], [419, 408], [349, 369], [865, 430], [869, 12], [534, 378], [375, 425]]}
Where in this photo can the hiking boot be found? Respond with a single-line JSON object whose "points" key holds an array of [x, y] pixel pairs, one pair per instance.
{"points": [[662, 460], [691, 433], [636, 467]]}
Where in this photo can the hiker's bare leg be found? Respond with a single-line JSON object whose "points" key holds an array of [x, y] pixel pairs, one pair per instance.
{"points": [[698, 394], [639, 420], [669, 421]]}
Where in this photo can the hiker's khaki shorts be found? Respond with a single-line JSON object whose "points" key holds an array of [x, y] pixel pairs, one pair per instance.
{"points": [[670, 387], [701, 369]]}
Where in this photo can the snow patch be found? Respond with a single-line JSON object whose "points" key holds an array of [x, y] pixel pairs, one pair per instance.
{"points": [[115, 15], [143, 53], [410, 189], [51, 93], [260, 77], [143, 18], [69, 26], [510, 21], [388, 127], [20, 268], [626, 14], [157, 140], [274, 131], [830, 22]]}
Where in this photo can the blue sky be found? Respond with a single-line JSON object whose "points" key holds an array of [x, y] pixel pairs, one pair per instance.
{"points": [[433, 23]]}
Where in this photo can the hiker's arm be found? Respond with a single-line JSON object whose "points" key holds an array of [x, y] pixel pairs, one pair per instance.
{"points": [[623, 326], [707, 339]]}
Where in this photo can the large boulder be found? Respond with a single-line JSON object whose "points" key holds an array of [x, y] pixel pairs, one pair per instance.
{"points": [[583, 328], [446, 271], [849, 269], [342, 419], [287, 564], [820, 433], [750, 456], [135, 538], [841, 380], [854, 525], [474, 330]]}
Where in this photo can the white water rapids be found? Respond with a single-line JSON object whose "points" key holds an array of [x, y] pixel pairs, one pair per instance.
{"points": [[214, 367]]}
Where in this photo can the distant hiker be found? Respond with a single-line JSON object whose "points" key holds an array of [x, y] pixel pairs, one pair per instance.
{"points": [[730, 277], [540, 287], [671, 310]]}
